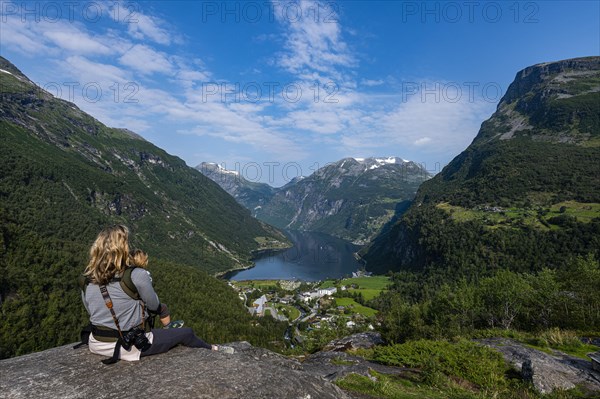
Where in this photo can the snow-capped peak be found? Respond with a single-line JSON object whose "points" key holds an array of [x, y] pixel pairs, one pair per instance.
{"points": [[374, 163], [222, 169], [383, 161]]}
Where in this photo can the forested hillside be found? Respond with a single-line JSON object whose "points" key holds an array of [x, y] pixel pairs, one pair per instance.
{"points": [[524, 195], [505, 240], [63, 177]]}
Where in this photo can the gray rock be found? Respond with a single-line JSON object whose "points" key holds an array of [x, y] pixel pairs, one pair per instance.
{"points": [[336, 365], [595, 357], [181, 373], [547, 372], [364, 340]]}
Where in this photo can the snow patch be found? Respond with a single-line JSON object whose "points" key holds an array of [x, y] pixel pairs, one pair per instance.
{"points": [[222, 169], [381, 161], [390, 160]]}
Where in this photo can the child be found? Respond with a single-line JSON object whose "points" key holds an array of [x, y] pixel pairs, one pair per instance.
{"points": [[139, 258]]}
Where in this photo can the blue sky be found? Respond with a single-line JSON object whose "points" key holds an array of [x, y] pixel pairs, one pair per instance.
{"points": [[276, 89]]}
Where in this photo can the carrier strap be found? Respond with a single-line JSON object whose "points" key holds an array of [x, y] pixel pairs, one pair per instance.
{"points": [[109, 304], [124, 281]]}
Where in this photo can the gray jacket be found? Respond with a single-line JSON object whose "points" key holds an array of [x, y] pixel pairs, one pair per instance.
{"points": [[128, 310]]}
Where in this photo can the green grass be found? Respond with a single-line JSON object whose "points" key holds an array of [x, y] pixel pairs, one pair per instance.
{"points": [[554, 339], [582, 212], [263, 284], [367, 294], [594, 142], [355, 307], [579, 351], [373, 282], [327, 284], [409, 386], [562, 340], [341, 362], [270, 243], [466, 360], [288, 311], [369, 287], [388, 387]]}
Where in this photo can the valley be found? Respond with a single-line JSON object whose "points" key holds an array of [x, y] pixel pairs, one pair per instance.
{"points": [[352, 198], [502, 244], [315, 311]]}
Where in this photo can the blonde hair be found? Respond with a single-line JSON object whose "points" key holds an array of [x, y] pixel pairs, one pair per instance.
{"points": [[109, 254], [139, 258]]}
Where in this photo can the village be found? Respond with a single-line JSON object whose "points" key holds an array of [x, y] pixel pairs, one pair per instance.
{"points": [[311, 307]]}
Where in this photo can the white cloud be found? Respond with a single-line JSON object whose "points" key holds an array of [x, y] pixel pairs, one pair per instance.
{"points": [[312, 42], [19, 36], [372, 82], [192, 75], [422, 141], [71, 39], [236, 123], [146, 60], [139, 25], [31, 37], [87, 71], [419, 124]]}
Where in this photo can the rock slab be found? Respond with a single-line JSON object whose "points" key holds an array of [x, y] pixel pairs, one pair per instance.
{"points": [[181, 373], [547, 372], [365, 340]]}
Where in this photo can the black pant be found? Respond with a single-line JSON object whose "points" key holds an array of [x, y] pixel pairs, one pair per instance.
{"points": [[165, 339]]}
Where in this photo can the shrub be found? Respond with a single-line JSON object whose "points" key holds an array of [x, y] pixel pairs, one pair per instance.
{"points": [[467, 360]]}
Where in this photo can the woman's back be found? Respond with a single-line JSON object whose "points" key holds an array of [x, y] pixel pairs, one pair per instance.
{"points": [[109, 257], [127, 309]]}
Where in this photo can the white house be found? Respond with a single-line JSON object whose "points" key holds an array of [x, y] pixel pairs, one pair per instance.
{"points": [[327, 291], [259, 305], [307, 296]]}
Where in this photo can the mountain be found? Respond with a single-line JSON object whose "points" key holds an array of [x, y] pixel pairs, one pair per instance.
{"points": [[247, 193], [351, 198], [524, 195], [112, 175], [63, 177]]}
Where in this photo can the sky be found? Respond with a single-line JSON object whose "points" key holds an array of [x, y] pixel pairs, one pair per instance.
{"points": [[277, 89]]}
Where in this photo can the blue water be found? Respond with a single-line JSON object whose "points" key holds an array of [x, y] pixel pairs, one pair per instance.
{"points": [[314, 256]]}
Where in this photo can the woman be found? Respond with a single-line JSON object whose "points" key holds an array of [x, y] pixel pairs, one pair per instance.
{"points": [[115, 316]]}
